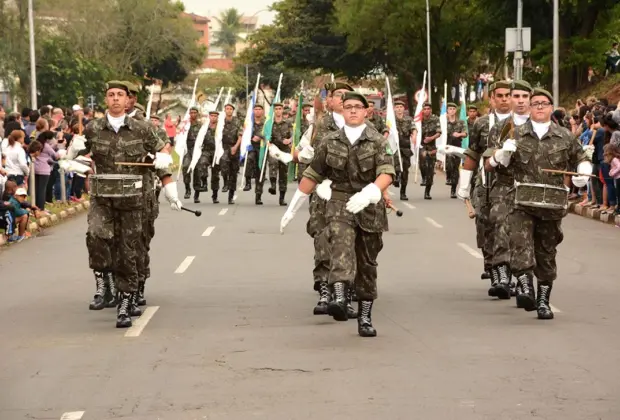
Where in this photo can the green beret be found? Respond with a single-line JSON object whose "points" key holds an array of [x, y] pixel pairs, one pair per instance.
{"points": [[354, 96], [278, 104], [195, 108], [155, 117], [473, 107], [140, 107], [230, 105], [501, 84], [450, 104], [328, 86], [426, 104], [117, 84], [133, 89], [306, 105], [521, 85], [215, 112], [542, 92], [259, 106], [340, 85], [286, 108], [399, 103]]}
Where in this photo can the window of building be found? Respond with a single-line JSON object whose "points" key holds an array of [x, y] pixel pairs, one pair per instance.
{"points": [[201, 33]]}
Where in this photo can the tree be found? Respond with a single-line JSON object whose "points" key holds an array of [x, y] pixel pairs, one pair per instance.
{"points": [[228, 35]]}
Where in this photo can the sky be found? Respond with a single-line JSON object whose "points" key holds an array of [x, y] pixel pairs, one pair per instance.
{"points": [[246, 7]]}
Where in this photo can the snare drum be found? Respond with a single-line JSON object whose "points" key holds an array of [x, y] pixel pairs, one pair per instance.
{"points": [[541, 196], [115, 185]]}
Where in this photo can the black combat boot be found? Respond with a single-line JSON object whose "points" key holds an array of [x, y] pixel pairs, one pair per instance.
{"points": [[396, 181], [351, 312], [111, 294], [141, 299], [403, 192], [258, 201], [321, 306], [231, 197], [214, 197], [544, 293], [188, 192], [123, 318], [248, 184], [272, 188], [317, 286], [364, 321], [453, 191], [494, 282], [337, 307], [502, 289], [282, 202], [98, 302], [427, 192], [135, 308], [527, 297], [486, 274], [196, 197]]}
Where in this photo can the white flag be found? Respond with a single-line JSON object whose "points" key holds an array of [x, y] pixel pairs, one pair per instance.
{"points": [[390, 121]]}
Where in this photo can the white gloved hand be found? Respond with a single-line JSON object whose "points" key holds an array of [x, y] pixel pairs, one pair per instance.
{"points": [[370, 194], [78, 143], [463, 191], [455, 151], [306, 155], [503, 155], [324, 189], [276, 153], [584, 168], [172, 195], [296, 202], [62, 153], [580, 181], [74, 166], [162, 160]]}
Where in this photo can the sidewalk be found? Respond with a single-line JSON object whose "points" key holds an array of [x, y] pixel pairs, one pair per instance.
{"points": [[592, 213]]}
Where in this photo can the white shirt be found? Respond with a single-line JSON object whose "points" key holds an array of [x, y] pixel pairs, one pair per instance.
{"points": [[354, 133], [339, 119], [16, 163], [502, 117], [541, 128], [519, 120], [116, 122]]}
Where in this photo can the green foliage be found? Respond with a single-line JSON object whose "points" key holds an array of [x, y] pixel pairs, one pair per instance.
{"points": [[228, 35]]}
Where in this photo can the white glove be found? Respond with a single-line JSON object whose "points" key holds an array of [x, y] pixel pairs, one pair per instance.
{"points": [[276, 153], [78, 143], [62, 153], [305, 139], [503, 155], [74, 166], [370, 194], [296, 202], [464, 189], [324, 189], [306, 155], [584, 168], [455, 151], [172, 195], [162, 160]]}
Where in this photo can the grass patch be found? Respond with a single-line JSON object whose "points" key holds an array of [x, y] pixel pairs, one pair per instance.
{"points": [[608, 88]]}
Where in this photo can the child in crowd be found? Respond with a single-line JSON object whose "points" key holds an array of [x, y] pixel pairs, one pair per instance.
{"points": [[15, 215], [612, 156]]}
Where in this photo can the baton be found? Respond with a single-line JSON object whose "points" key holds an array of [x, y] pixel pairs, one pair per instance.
{"points": [[555, 171], [197, 213], [470, 209], [398, 212], [134, 164]]}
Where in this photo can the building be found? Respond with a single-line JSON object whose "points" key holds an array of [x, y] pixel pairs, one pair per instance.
{"points": [[201, 25]]}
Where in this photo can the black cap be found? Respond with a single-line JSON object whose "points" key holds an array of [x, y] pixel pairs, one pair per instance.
{"points": [[354, 96], [278, 104]]}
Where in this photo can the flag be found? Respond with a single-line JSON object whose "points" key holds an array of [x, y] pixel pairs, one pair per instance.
{"points": [[248, 125], [219, 133], [443, 121], [463, 117], [390, 122], [292, 167], [417, 118], [180, 140], [264, 144], [200, 138]]}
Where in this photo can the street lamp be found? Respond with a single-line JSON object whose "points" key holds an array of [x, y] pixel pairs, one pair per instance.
{"points": [[33, 70]]}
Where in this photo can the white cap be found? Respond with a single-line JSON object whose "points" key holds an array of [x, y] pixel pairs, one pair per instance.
{"points": [[76, 108], [21, 191]]}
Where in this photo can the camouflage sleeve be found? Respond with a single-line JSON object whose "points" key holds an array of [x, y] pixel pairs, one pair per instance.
{"points": [[317, 171], [89, 133], [493, 140], [462, 127], [384, 159], [163, 136], [152, 141], [475, 148], [437, 124]]}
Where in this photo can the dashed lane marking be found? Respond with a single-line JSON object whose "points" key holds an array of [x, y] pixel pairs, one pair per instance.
{"points": [[235, 197], [555, 309], [433, 223], [138, 325], [222, 212], [209, 231], [411, 206], [72, 415], [184, 265], [470, 250]]}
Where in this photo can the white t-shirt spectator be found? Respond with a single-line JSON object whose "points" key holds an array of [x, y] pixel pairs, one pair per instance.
{"points": [[16, 163]]}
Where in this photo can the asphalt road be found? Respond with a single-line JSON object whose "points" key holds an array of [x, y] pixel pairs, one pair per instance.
{"points": [[229, 333]]}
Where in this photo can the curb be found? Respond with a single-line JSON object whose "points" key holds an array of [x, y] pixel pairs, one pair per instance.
{"points": [[54, 219], [594, 214]]}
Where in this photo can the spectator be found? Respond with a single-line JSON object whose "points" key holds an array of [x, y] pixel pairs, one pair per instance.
{"points": [[15, 215], [611, 62], [88, 116], [609, 192], [45, 112], [30, 127], [40, 127], [597, 140], [2, 117], [43, 167], [171, 128], [612, 157], [15, 158], [25, 116]]}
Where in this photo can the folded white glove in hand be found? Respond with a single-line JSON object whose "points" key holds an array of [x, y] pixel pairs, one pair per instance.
{"points": [[584, 168], [370, 194], [503, 155], [276, 153], [172, 195], [464, 190], [324, 190], [162, 160], [306, 155], [78, 143], [455, 151], [296, 202]]}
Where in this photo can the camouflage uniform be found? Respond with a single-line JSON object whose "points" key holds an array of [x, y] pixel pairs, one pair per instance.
{"points": [[405, 127], [281, 131], [430, 127], [252, 157], [201, 172], [229, 164], [453, 162], [378, 123], [194, 128], [301, 167]]}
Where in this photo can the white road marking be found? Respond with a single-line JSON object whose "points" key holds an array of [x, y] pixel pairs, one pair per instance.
{"points": [[470, 250], [412, 207], [184, 265], [235, 197], [209, 231], [72, 415], [138, 325], [433, 223], [554, 309], [222, 212]]}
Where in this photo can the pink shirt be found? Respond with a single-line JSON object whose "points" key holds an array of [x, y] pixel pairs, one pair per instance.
{"points": [[171, 128], [615, 168]]}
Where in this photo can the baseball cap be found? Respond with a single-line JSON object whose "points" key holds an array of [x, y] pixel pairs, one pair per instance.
{"points": [[76, 108], [21, 191]]}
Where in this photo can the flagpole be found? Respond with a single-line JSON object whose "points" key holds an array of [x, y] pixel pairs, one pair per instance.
{"points": [[428, 51], [262, 171]]}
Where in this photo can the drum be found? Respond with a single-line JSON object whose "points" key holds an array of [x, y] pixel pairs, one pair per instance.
{"points": [[115, 185], [541, 196]]}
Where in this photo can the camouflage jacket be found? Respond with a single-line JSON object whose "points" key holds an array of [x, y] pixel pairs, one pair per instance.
{"points": [[322, 128], [257, 130], [479, 137], [470, 125], [281, 131], [405, 127], [194, 128], [351, 168], [457, 126], [232, 130], [502, 184], [138, 115], [378, 122], [208, 145], [430, 127]]}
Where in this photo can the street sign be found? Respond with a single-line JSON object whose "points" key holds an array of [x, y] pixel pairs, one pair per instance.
{"points": [[421, 96], [91, 101], [511, 39]]}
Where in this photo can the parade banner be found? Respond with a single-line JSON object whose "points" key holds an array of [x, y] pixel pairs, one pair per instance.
{"points": [[267, 128]]}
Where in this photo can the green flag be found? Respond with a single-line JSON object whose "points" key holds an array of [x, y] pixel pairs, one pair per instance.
{"points": [[292, 167], [264, 143]]}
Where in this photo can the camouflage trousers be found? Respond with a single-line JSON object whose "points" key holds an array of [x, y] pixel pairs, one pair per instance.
{"points": [[149, 214], [278, 171], [421, 164], [405, 165], [428, 167], [229, 166], [484, 228], [201, 172], [353, 259], [115, 240], [535, 244], [301, 167], [255, 171], [452, 169], [316, 228], [187, 177], [251, 163], [498, 219]]}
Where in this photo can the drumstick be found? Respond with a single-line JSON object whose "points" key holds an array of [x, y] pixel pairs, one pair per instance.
{"points": [[470, 209], [135, 164], [555, 171], [398, 212]]}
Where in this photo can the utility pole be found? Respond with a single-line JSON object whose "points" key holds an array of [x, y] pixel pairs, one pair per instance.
{"points": [[33, 69], [428, 51], [518, 62], [556, 52]]}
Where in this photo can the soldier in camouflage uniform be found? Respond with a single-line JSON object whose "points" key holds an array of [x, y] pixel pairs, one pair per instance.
{"points": [[431, 131], [305, 124], [472, 116], [194, 128], [201, 172], [456, 133], [536, 231], [231, 140], [281, 137], [405, 127], [376, 119], [254, 152], [115, 238], [132, 109], [358, 161]]}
